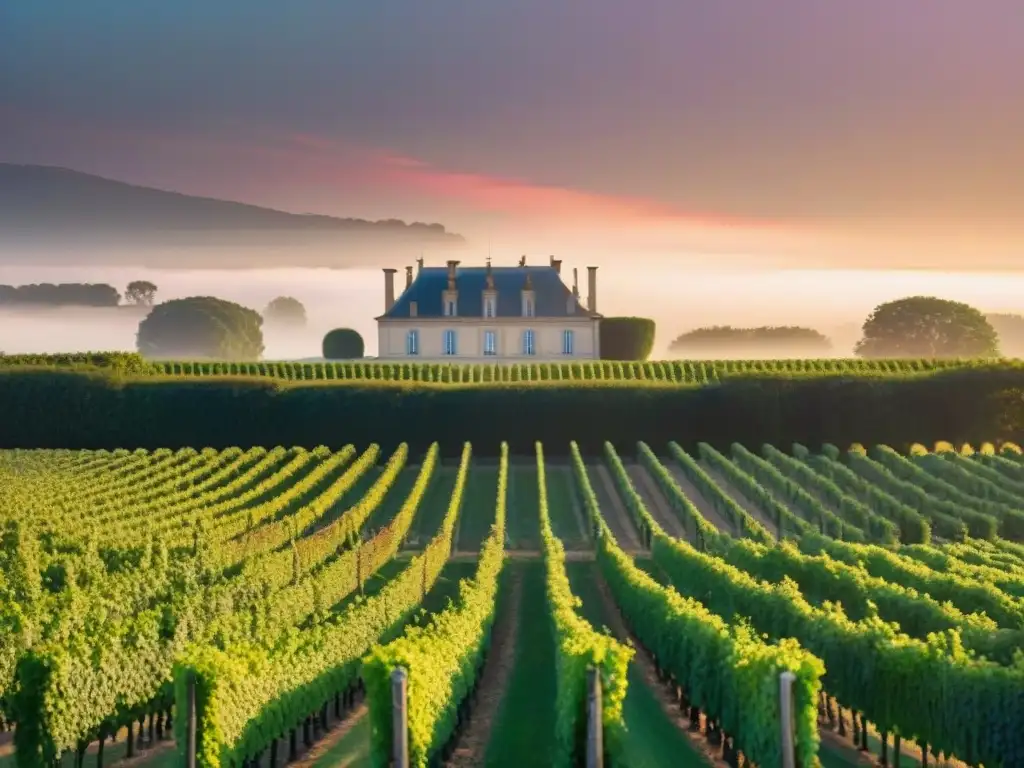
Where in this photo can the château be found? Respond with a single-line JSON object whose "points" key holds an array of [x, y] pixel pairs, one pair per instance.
{"points": [[489, 314]]}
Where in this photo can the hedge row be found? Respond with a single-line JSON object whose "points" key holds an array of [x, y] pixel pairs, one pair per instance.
{"points": [[65, 409]]}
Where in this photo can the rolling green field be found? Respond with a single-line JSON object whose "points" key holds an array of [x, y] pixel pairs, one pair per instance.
{"points": [[288, 583]]}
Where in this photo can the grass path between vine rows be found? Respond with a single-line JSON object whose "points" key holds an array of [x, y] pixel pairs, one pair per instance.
{"points": [[656, 732], [523, 732], [477, 513], [472, 743], [564, 508], [345, 745]]}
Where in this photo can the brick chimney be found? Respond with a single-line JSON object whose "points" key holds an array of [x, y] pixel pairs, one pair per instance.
{"points": [[450, 298], [557, 265], [389, 289], [592, 289]]}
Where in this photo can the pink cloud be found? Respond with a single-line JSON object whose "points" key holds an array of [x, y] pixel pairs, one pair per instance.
{"points": [[335, 175]]}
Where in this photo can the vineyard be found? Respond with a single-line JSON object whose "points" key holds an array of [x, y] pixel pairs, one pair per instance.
{"points": [[591, 373], [250, 607]]}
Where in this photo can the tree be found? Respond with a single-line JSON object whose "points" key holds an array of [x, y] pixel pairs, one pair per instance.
{"points": [[140, 293], [343, 344], [201, 327], [285, 310], [737, 343], [924, 326], [626, 338]]}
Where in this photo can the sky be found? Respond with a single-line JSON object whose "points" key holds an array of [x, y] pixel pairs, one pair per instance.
{"points": [[850, 133]]}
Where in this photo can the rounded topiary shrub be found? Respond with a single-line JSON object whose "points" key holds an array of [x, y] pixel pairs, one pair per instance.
{"points": [[626, 338], [343, 344]]}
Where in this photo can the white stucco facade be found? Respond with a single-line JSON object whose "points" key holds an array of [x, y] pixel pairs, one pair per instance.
{"points": [[492, 340]]}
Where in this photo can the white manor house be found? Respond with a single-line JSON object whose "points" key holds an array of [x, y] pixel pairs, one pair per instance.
{"points": [[488, 314]]}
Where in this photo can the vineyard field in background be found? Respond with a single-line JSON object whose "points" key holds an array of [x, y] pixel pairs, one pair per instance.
{"points": [[288, 583], [585, 372]]}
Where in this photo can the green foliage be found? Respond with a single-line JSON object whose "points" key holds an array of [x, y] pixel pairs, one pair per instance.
{"points": [[120, 363], [742, 522], [726, 671], [724, 341], [787, 523], [705, 533], [252, 693], [877, 528], [141, 293], [62, 295], [47, 407], [201, 327], [118, 567], [812, 510], [916, 687], [626, 338], [285, 310], [343, 344], [578, 647], [443, 660], [931, 573], [981, 517], [922, 326], [913, 526]]}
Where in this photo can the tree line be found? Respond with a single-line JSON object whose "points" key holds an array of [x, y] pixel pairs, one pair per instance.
{"points": [[138, 292], [913, 327]]}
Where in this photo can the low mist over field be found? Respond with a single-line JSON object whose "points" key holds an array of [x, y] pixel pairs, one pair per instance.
{"points": [[677, 296]]}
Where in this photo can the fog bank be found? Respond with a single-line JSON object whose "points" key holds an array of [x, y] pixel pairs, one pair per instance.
{"points": [[679, 298]]}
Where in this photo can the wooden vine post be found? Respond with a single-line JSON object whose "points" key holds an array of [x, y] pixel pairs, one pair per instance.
{"points": [[786, 680], [595, 735], [400, 718]]}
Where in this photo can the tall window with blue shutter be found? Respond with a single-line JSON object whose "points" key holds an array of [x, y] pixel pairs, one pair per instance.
{"points": [[450, 343], [568, 342], [490, 343], [529, 347], [412, 342]]}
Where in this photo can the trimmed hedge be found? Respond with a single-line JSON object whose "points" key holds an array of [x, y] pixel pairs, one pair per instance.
{"points": [[343, 344], [67, 409], [626, 338]]}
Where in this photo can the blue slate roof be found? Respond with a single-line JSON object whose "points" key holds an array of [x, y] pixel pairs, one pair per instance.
{"points": [[550, 293]]}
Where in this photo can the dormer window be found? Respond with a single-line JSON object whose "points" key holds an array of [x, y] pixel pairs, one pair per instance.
{"points": [[528, 295], [450, 303], [528, 304], [489, 305]]}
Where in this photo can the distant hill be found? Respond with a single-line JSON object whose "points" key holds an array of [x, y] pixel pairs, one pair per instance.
{"points": [[44, 206]]}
